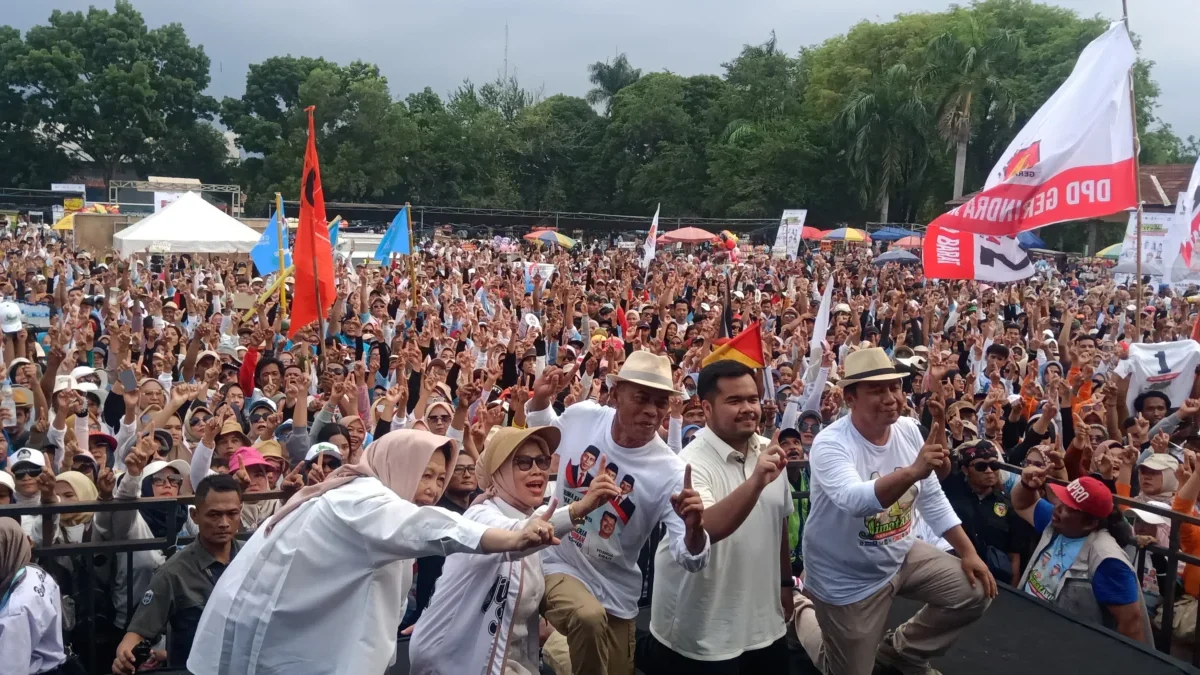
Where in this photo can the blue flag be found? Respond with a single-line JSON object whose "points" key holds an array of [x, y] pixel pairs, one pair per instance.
{"points": [[334, 231], [395, 240], [265, 253]]}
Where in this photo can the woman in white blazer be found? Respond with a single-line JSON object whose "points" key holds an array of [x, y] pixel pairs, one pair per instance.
{"points": [[483, 617]]}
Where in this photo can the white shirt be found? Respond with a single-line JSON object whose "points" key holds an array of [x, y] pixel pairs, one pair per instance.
{"points": [[31, 626], [326, 589], [732, 605], [602, 553], [1169, 367], [852, 545]]}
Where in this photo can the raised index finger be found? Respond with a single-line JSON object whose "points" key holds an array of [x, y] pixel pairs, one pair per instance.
{"points": [[549, 510], [687, 477]]}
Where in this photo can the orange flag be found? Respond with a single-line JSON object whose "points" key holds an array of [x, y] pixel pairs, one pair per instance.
{"points": [[313, 254], [745, 348]]}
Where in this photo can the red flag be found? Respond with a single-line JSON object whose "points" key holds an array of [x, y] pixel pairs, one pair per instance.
{"points": [[313, 254], [745, 348]]}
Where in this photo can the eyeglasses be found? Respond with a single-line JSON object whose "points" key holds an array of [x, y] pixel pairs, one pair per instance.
{"points": [[438, 418], [335, 370], [810, 426], [526, 463], [198, 420], [259, 416], [160, 481], [986, 466], [27, 473], [464, 471]]}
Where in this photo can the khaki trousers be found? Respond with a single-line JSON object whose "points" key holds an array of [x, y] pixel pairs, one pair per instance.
{"points": [[600, 643], [843, 639]]}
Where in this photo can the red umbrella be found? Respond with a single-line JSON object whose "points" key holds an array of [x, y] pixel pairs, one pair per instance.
{"points": [[687, 235], [912, 241], [811, 233]]}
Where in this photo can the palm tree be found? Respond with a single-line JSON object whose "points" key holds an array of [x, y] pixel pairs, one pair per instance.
{"points": [[610, 78], [886, 123], [966, 63]]}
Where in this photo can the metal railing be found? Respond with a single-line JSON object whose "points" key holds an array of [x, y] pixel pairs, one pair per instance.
{"points": [[86, 551], [1173, 556]]}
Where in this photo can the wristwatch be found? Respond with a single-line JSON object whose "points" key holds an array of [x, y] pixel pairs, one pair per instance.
{"points": [[575, 520], [787, 582]]}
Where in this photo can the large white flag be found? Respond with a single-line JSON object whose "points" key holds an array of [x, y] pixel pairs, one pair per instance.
{"points": [[651, 240], [951, 254], [1073, 160], [1189, 204], [820, 328]]}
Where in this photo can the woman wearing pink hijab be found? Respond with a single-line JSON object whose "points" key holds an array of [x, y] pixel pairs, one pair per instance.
{"points": [[322, 587]]}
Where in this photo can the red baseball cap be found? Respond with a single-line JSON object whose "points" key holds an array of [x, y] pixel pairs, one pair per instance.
{"points": [[1085, 494]]}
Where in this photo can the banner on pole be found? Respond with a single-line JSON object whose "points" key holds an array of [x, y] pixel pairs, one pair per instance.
{"points": [[791, 231], [1073, 160]]}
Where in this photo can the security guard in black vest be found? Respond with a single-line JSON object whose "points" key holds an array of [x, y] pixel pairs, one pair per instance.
{"points": [[977, 496], [181, 587]]}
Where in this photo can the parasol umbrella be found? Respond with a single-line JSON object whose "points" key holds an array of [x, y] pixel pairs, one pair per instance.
{"points": [[912, 241], [687, 235], [811, 233], [551, 237], [67, 223], [896, 255], [1110, 252], [847, 234]]}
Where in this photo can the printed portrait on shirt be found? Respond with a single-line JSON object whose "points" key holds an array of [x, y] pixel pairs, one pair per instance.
{"points": [[892, 524], [600, 532]]}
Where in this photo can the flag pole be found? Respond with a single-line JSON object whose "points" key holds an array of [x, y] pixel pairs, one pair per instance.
{"points": [[280, 229], [412, 255], [1137, 182]]}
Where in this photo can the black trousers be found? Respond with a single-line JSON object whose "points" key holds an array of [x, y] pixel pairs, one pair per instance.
{"points": [[653, 658]]}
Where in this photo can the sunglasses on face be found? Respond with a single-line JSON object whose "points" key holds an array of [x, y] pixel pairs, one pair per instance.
{"points": [[198, 420], [438, 418], [986, 466], [259, 416], [526, 463], [810, 426], [32, 472], [336, 370], [160, 481]]}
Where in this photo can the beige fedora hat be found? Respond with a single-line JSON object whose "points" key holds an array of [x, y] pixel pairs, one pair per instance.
{"points": [[646, 369], [869, 365]]}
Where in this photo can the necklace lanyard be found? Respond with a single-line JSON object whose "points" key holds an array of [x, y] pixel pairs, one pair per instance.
{"points": [[8, 592]]}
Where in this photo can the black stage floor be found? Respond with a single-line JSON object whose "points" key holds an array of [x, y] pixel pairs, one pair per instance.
{"points": [[1017, 635]]}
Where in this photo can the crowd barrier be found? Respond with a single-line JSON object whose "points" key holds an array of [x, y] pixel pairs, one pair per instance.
{"points": [[87, 551]]}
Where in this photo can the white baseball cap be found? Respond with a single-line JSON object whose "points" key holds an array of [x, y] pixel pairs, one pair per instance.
{"points": [[10, 317], [7, 480], [27, 456], [323, 449]]}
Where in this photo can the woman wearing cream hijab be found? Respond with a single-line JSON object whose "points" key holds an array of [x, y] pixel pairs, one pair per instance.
{"points": [[514, 471], [323, 585], [72, 486]]}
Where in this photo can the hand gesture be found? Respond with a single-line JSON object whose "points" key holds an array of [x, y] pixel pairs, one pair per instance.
{"points": [[601, 490], [537, 531], [294, 481], [316, 474], [1161, 443], [106, 482], [687, 504], [212, 427], [46, 481], [1033, 477], [550, 383], [771, 462], [932, 455]]}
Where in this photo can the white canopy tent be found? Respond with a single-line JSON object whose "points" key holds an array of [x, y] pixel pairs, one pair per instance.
{"points": [[189, 225]]}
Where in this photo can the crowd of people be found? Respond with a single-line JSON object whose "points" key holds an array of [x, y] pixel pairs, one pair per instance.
{"points": [[479, 461]]}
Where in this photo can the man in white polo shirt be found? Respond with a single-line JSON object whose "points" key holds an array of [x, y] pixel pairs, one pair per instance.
{"points": [[731, 616], [871, 473]]}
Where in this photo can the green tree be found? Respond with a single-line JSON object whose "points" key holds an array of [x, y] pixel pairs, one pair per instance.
{"points": [[104, 86], [610, 78], [886, 123], [967, 63]]}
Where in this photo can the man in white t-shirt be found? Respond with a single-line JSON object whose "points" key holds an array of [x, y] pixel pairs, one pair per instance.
{"points": [[592, 579], [871, 473]]}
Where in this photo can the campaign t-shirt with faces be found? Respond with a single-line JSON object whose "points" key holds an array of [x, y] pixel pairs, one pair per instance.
{"points": [[602, 552]]}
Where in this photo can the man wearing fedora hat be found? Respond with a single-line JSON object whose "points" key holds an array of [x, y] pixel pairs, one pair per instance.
{"points": [[592, 580], [871, 473]]}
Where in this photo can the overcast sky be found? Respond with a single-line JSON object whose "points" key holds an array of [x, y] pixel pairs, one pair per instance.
{"points": [[439, 43]]}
